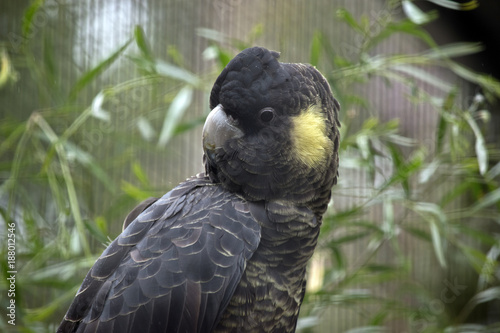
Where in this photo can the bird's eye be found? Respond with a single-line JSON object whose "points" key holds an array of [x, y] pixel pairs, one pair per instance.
{"points": [[266, 115]]}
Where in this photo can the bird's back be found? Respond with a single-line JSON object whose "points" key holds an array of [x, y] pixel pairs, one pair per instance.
{"points": [[173, 269]]}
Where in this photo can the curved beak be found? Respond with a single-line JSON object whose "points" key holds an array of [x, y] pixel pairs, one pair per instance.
{"points": [[218, 129]]}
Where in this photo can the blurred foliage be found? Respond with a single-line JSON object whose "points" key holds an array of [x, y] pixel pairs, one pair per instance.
{"points": [[446, 197], [45, 170], [49, 174]]}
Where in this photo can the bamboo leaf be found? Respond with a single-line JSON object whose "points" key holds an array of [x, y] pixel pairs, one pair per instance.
{"points": [[88, 161], [454, 50], [442, 122], [368, 329], [436, 242], [487, 82], [482, 154], [430, 208], [414, 13], [174, 113], [422, 234], [347, 17], [468, 328], [142, 43], [428, 171], [96, 107], [388, 225], [489, 199], [484, 296], [315, 48], [175, 72], [29, 15], [487, 275], [423, 76], [189, 125], [91, 75], [140, 174], [212, 35], [435, 216], [145, 129], [134, 191], [490, 175], [406, 27], [469, 5], [480, 144], [307, 322], [475, 257], [68, 178], [351, 237]]}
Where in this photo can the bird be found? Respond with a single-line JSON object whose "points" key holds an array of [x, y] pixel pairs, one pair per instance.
{"points": [[227, 249]]}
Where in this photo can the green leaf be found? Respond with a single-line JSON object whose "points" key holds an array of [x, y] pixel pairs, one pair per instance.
{"points": [[175, 55], [368, 329], [134, 191], [224, 58], [388, 225], [469, 328], [487, 82], [436, 242], [351, 237], [96, 108], [490, 175], [435, 216], [142, 43], [480, 144], [50, 68], [189, 125], [489, 199], [91, 75], [424, 76], [29, 15], [482, 154], [307, 322], [145, 129], [315, 48], [140, 174], [417, 232], [96, 231], [455, 5], [443, 122], [406, 27], [338, 256], [428, 171], [216, 53], [414, 13], [88, 161], [475, 257], [454, 50], [102, 224], [363, 146], [347, 17], [403, 170], [430, 208], [174, 113], [212, 35], [490, 267], [484, 296], [165, 69]]}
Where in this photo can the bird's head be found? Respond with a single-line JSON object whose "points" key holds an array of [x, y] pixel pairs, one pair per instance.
{"points": [[272, 133]]}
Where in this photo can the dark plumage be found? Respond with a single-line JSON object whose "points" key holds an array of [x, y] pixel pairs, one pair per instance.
{"points": [[226, 251]]}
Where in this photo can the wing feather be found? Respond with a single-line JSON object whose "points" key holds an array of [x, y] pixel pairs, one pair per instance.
{"points": [[175, 266]]}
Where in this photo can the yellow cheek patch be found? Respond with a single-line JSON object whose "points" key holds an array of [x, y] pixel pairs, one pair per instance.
{"points": [[310, 141]]}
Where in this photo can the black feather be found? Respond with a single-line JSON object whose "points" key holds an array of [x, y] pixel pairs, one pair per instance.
{"points": [[226, 251]]}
